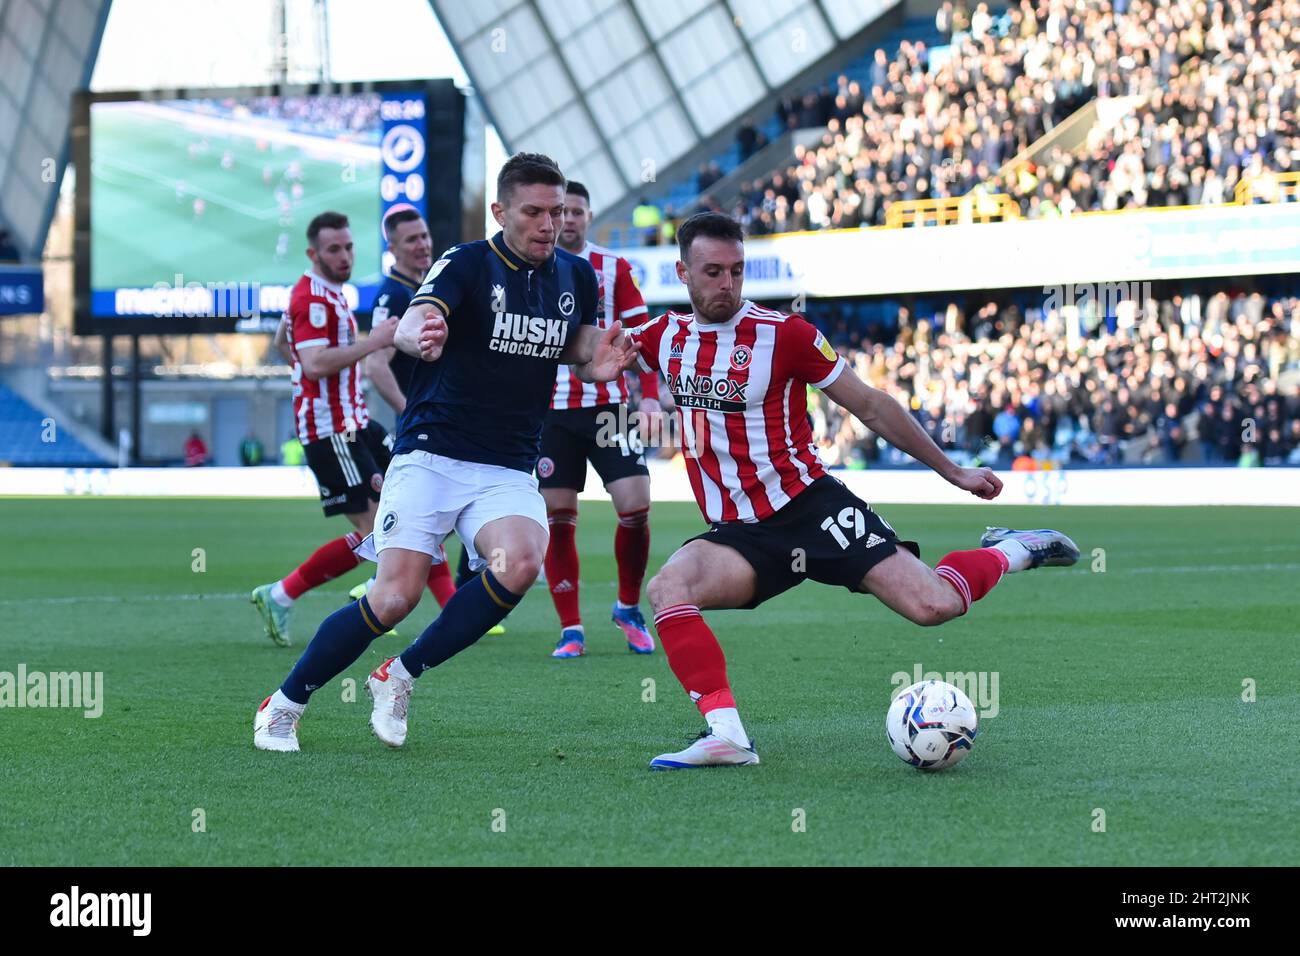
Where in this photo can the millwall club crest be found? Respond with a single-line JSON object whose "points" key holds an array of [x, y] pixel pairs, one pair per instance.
{"points": [[498, 298], [741, 356]]}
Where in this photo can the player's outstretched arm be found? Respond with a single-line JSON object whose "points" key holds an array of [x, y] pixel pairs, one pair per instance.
{"points": [[598, 356], [422, 332], [887, 418], [324, 361]]}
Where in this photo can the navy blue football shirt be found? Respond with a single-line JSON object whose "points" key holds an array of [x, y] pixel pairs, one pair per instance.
{"points": [[486, 396], [391, 302]]}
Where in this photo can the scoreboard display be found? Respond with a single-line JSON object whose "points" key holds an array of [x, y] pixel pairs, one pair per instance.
{"points": [[192, 207]]}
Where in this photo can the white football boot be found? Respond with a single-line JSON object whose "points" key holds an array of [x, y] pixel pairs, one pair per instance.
{"points": [[707, 750], [276, 728], [392, 696]]}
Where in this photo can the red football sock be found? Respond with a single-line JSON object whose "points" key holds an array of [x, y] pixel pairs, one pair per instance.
{"points": [[326, 563], [441, 586], [562, 565], [694, 656], [972, 574], [632, 552]]}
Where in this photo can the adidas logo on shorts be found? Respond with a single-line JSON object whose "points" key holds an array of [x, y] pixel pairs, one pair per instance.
{"points": [[874, 540]]}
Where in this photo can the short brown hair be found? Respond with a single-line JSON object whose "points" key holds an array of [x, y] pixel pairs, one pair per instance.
{"points": [[713, 225], [527, 169], [397, 216], [326, 220]]}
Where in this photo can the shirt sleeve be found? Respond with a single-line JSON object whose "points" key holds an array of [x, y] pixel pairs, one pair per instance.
{"points": [[629, 306], [808, 356], [646, 339], [450, 280], [311, 322]]}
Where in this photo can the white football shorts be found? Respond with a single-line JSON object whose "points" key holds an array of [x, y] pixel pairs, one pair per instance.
{"points": [[425, 497]]}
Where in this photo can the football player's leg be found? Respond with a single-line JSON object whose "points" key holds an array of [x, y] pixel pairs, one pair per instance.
{"points": [[439, 582], [908, 586], [505, 523], [562, 568], [340, 640], [699, 576], [350, 479], [631, 497], [364, 521], [346, 633], [398, 585], [561, 475], [928, 596], [961, 578]]}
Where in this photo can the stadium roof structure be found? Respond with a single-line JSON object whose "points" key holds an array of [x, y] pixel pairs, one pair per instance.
{"points": [[47, 50], [617, 90]]}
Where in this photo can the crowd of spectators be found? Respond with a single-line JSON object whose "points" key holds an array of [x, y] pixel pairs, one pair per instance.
{"points": [[1214, 102], [1185, 380], [356, 114]]}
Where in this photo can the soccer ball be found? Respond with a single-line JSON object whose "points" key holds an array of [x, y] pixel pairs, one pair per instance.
{"points": [[931, 725]]}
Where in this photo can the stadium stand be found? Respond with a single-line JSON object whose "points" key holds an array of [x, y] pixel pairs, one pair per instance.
{"points": [[813, 109], [23, 434], [1189, 379], [1203, 96]]}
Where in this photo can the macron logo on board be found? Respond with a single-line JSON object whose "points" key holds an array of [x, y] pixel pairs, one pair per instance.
{"points": [[102, 909]]}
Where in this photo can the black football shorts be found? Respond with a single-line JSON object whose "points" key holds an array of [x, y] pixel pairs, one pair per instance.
{"points": [[827, 534], [606, 436], [350, 474]]}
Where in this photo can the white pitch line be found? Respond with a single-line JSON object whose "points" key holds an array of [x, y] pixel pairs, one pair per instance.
{"points": [[1194, 569], [243, 595]]}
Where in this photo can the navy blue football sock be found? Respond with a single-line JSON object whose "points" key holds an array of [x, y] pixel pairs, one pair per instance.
{"points": [[473, 610], [341, 639]]}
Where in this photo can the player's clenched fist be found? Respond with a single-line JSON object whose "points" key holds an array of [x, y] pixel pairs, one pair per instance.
{"points": [[422, 332], [432, 337], [980, 482]]}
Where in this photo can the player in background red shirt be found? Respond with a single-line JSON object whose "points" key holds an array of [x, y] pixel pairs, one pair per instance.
{"points": [[346, 451], [738, 373], [588, 421]]}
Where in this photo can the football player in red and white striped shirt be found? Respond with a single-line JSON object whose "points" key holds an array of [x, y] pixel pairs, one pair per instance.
{"points": [[738, 373], [588, 421], [346, 451]]}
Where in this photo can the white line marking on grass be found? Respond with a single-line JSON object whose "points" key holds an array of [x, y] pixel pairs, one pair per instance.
{"points": [[244, 595], [124, 599], [1195, 569]]}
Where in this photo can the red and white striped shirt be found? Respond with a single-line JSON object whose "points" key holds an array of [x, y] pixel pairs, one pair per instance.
{"points": [[319, 317], [742, 404], [620, 299]]}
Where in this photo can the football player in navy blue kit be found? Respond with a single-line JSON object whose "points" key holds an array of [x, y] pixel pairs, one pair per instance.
{"points": [[390, 368], [491, 323], [409, 241]]}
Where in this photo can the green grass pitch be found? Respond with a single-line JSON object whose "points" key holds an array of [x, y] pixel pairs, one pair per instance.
{"points": [[1120, 691], [144, 233]]}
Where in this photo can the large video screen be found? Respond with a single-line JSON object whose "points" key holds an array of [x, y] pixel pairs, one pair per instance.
{"points": [[197, 207]]}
